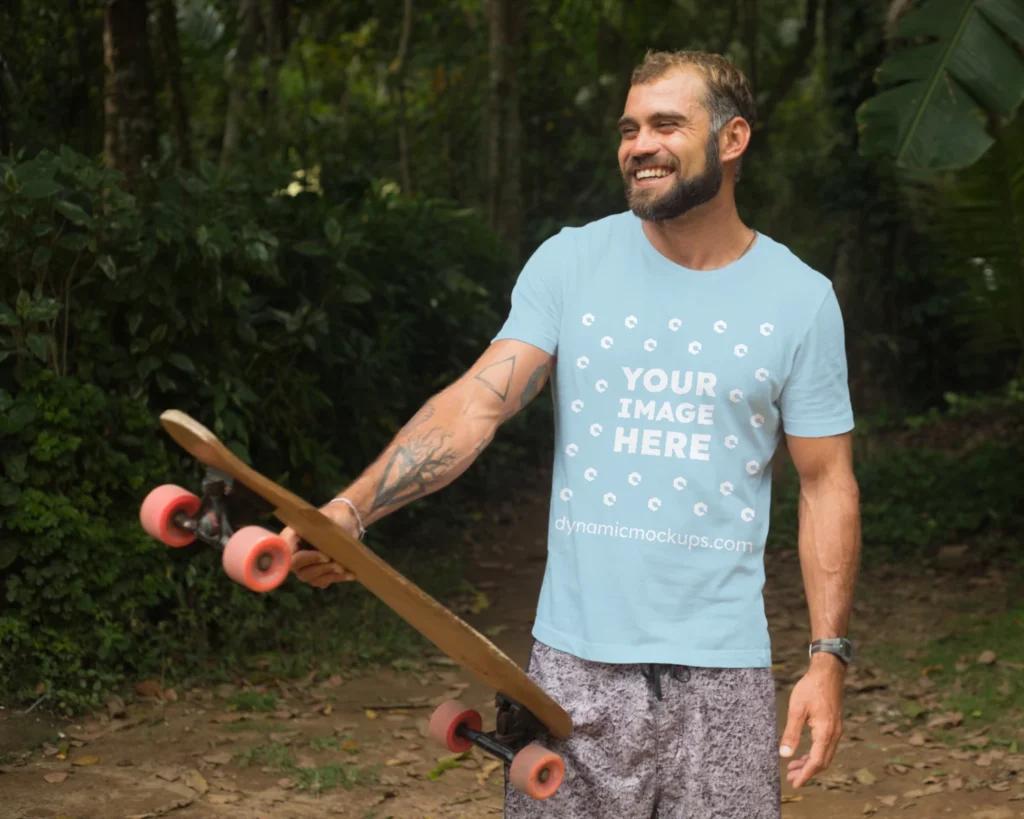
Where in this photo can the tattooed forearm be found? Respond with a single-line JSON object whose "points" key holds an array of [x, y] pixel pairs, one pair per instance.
{"points": [[445, 437], [417, 461]]}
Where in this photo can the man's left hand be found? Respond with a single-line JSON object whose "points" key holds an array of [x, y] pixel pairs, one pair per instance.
{"points": [[817, 700]]}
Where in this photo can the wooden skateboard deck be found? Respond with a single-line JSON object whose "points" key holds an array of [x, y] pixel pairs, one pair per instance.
{"points": [[452, 635]]}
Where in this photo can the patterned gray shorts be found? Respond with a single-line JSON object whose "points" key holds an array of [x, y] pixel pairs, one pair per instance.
{"points": [[658, 742]]}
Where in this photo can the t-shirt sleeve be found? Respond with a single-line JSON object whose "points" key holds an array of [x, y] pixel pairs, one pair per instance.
{"points": [[536, 312], [815, 402]]}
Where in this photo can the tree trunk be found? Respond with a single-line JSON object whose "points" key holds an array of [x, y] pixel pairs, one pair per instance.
{"points": [[856, 48], [172, 63], [275, 37], [130, 134], [504, 129], [82, 115], [238, 92], [401, 61], [5, 110], [750, 27]]}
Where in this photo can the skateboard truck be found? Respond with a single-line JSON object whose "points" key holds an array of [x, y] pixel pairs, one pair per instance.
{"points": [[251, 555], [516, 728], [532, 767]]}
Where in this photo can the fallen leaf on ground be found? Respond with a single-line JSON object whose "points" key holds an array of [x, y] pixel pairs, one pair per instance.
{"points": [[917, 739], [993, 813], [167, 774], [225, 718], [115, 707], [949, 720], [371, 714], [987, 657], [82, 761], [55, 777], [150, 688], [217, 759], [865, 777], [163, 810], [888, 801], [404, 758], [196, 782], [223, 798], [787, 799]]}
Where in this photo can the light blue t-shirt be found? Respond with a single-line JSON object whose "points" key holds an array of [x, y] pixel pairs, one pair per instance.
{"points": [[672, 389]]}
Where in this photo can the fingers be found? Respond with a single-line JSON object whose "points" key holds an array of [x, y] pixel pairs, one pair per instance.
{"points": [[814, 762], [291, 539], [794, 726], [318, 570]]}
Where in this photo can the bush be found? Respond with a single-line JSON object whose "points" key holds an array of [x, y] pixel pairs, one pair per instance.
{"points": [[915, 500], [304, 330]]}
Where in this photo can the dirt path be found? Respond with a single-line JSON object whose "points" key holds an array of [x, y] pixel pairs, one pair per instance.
{"points": [[354, 746]]}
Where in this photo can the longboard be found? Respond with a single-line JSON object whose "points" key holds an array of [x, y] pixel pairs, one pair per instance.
{"points": [[260, 560]]}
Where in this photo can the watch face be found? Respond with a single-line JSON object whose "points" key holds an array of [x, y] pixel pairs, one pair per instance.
{"points": [[840, 646]]}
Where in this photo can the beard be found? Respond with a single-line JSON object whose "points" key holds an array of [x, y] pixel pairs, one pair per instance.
{"points": [[684, 194]]}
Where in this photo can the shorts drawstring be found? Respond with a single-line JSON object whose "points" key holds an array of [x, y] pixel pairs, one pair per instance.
{"points": [[653, 672]]}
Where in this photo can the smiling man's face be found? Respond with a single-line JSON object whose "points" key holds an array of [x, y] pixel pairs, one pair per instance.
{"points": [[667, 155]]}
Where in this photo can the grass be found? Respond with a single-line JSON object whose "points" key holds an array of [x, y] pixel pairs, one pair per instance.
{"points": [[986, 694], [280, 759], [248, 701], [348, 629]]}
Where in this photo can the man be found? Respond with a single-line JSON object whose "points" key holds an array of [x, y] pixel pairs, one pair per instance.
{"points": [[681, 346]]}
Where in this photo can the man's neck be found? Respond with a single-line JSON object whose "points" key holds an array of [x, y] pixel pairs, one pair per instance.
{"points": [[708, 237]]}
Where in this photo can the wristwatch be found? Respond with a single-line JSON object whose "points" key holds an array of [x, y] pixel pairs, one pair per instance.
{"points": [[839, 646]]}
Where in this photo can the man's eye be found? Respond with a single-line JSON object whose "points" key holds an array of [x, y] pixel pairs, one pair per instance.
{"points": [[628, 132], [664, 125]]}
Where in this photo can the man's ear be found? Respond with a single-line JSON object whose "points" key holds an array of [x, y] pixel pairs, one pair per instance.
{"points": [[733, 139]]}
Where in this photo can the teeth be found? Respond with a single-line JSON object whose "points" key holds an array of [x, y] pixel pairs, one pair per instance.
{"points": [[652, 173]]}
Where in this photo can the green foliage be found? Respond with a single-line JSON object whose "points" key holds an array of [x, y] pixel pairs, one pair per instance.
{"points": [[915, 500], [80, 579], [1008, 401], [112, 309], [986, 694], [930, 113], [981, 211]]}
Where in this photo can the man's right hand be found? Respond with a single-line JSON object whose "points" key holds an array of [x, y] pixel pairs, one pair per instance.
{"points": [[314, 567]]}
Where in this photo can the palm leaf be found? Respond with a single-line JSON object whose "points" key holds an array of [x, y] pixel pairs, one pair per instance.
{"points": [[981, 220], [966, 64]]}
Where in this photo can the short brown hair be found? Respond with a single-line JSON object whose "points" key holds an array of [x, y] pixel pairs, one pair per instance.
{"points": [[729, 91]]}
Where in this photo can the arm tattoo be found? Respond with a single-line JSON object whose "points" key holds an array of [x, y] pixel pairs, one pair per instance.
{"points": [[498, 376], [415, 463], [534, 385]]}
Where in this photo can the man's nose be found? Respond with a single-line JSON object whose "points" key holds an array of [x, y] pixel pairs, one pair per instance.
{"points": [[645, 144]]}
